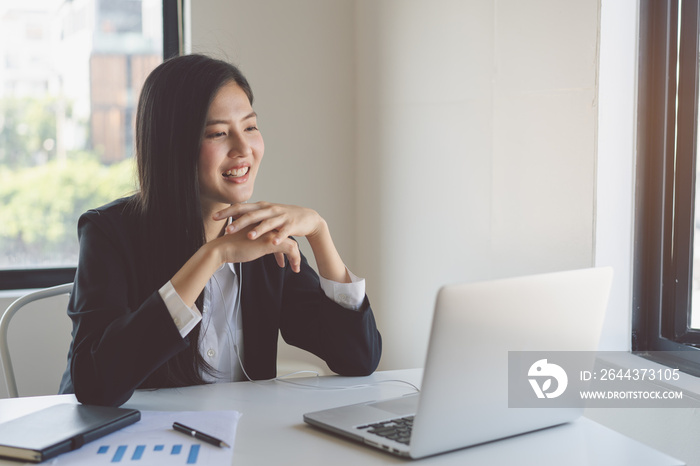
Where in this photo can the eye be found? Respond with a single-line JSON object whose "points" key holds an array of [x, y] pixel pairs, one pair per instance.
{"points": [[218, 134], [252, 128]]}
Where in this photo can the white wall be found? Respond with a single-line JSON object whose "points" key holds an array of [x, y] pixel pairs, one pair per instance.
{"points": [[617, 95], [476, 134]]}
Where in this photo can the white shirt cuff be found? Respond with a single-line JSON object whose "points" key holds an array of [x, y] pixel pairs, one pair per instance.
{"points": [[348, 295], [184, 317]]}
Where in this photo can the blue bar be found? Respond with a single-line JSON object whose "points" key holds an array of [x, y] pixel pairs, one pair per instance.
{"points": [[138, 453], [119, 454], [158, 448], [194, 451], [102, 450], [176, 450]]}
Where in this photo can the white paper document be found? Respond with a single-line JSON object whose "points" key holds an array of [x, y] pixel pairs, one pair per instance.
{"points": [[152, 441]]}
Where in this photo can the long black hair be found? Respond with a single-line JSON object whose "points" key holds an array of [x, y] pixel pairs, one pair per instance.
{"points": [[170, 123]]}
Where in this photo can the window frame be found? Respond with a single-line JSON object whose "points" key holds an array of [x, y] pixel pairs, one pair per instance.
{"points": [[665, 194], [30, 278]]}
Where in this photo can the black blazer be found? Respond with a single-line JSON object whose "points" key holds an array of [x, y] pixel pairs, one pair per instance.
{"points": [[123, 332]]}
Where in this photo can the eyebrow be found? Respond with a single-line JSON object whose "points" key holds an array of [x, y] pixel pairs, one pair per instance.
{"points": [[222, 122]]}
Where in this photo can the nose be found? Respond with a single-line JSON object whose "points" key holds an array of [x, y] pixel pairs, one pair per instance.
{"points": [[239, 146]]}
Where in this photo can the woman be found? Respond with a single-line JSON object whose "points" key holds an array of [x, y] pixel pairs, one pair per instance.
{"points": [[185, 283]]}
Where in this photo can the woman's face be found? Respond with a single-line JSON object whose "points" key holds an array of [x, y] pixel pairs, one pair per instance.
{"points": [[231, 151]]}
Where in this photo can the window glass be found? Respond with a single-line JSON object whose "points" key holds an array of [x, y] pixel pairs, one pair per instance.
{"points": [[70, 76], [695, 300], [695, 287]]}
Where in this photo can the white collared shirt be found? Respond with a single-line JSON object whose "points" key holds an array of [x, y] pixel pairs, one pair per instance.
{"points": [[221, 337]]}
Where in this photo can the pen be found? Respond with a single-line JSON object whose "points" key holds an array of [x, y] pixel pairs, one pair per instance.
{"points": [[200, 435]]}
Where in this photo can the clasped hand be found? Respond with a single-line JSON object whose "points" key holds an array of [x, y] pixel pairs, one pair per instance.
{"points": [[262, 228]]}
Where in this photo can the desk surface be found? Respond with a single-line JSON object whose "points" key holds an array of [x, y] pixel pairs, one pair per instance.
{"points": [[271, 430]]}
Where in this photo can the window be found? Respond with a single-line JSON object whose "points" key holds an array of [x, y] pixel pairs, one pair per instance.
{"points": [[666, 299], [70, 76]]}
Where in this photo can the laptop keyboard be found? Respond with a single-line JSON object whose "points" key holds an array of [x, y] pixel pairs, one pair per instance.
{"points": [[398, 429]]}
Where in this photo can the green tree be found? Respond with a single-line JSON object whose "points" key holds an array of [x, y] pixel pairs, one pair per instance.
{"points": [[25, 125], [40, 206]]}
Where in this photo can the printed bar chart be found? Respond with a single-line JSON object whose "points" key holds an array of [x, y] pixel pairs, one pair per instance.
{"points": [[119, 453], [153, 442]]}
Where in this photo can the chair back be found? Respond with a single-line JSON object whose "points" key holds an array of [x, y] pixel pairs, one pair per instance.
{"points": [[5, 319]]}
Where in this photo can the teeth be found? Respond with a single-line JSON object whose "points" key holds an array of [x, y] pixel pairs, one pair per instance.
{"points": [[237, 172]]}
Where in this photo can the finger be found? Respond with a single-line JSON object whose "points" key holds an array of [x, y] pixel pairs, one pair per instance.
{"points": [[279, 256], [296, 263], [253, 218], [281, 235], [294, 256], [266, 226], [236, 210]]}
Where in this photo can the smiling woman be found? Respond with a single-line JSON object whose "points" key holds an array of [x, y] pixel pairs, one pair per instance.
{"points": [[159, 298], [231, 151]]}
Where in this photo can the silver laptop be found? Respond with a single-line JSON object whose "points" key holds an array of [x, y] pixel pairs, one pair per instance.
{"points": [[464, 395]]}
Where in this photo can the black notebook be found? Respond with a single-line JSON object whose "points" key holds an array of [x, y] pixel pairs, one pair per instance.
{"points": [[47, 433]]}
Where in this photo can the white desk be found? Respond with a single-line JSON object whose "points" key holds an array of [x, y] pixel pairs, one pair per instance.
{"points": [[271, 430]]}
